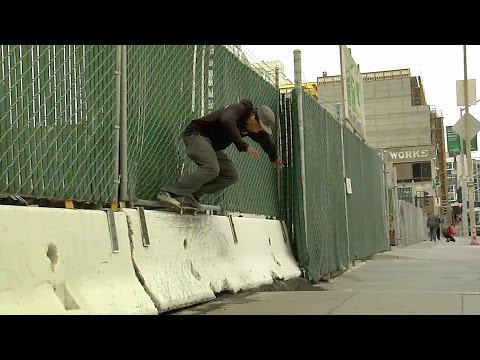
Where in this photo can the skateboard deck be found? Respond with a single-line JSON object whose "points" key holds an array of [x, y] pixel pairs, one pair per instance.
{"points": [[166, 206], [178, 209]]}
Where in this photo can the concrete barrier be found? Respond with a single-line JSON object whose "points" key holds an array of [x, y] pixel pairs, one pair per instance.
{"points": [[262, 247], [57, 261], [190, 258], [165, 266]]}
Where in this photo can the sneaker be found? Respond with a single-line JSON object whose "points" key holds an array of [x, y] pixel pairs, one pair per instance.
{"points": [[188, 202], [197, 197], [167, 197]]}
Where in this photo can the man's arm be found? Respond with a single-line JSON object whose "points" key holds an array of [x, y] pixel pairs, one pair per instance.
{"points": [[228, 119], [266, 143]]}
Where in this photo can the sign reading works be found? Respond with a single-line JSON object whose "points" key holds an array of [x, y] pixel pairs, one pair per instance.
{"points": [[410, 154]]}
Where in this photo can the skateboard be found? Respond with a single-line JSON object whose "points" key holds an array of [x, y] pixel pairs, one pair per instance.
{"points": [[165, 205]]}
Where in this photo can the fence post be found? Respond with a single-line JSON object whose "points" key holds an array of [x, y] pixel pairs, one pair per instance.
{"points": [[342, 130], [297, 61], [386, 199], [123, 129], [116, 136], [279, 142], [396, 219]]}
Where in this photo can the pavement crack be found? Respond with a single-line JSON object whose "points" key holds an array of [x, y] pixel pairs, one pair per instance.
{"points": [[343, 302]]}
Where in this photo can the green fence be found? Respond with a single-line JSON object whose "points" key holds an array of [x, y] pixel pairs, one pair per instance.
{"points": [[57, 113], [168, 86], [320, 237]]}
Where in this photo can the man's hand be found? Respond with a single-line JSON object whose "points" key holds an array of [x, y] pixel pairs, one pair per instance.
{"points": [[278, 163], [252, 152]]}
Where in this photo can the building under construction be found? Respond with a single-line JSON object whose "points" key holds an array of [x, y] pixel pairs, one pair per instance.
{"points": [[407, 130]]}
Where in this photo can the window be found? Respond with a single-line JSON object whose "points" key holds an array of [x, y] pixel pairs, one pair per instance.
{"points": [[422, 171], [404, 172], [418, 172]]}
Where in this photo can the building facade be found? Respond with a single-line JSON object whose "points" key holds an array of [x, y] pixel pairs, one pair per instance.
{"points": [[267, 70], [409, 132]]}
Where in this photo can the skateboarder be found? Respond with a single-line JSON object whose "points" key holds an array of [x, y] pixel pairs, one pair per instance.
{"points": [[206, 137]]}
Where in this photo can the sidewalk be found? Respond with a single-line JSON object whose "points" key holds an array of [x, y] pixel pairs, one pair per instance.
{"points": [[426, 278]]}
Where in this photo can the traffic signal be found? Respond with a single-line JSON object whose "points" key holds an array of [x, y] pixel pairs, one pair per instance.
{"points": [[426, 199]]}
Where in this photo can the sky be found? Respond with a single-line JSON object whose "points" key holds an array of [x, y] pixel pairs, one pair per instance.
{"points": [[439, 66]]}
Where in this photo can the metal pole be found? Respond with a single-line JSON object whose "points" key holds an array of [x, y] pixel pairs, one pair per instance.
{"points": [[342, 132], [297, 61], [396, 214], [342, 129], [385, 199], [116, 135], [414, 194], [464, 198], [471, 201], [123, 129], [279, 142], [476, 183], [277, 78]]}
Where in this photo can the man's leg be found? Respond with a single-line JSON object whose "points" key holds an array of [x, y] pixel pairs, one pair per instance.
{"points": [[228, 176], [433, 234], [199, 150]]}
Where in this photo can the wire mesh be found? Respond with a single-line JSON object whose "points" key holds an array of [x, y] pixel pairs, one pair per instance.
{"points": [[355, 201], [326, 231], [412, 224], [405, 194], [57, 108], [168, 86], [323, 246]]}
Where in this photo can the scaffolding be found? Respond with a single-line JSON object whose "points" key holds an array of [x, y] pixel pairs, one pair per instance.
{"points": [[438, 139]]}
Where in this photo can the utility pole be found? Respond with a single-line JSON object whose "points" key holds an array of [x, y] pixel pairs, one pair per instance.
{"points": [[462, 172], [471, 200]]}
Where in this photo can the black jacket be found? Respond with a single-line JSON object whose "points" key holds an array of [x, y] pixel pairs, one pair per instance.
{"points": [[228, 125]]}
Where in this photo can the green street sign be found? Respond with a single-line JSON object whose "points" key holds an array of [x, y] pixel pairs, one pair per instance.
{"points": [[453, 141]]}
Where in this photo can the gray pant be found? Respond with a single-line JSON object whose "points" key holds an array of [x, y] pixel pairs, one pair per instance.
{"points": [[215, 170], [433, 233]]}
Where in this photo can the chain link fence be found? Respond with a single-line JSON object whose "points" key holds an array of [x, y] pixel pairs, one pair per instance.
{"points": [[373, 206], [406, 194], [168, 86], [412, 224], [57, 120], [60, 111], [160, 84], [290, 188], [321, 238]]}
